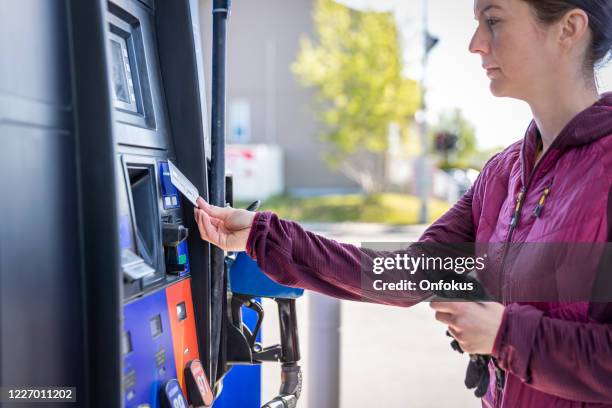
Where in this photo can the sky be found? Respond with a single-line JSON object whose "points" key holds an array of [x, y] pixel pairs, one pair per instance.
{"points": [[455, 78]]}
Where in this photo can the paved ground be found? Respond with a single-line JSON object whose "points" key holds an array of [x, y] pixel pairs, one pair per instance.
{"points": [[388, 357]]}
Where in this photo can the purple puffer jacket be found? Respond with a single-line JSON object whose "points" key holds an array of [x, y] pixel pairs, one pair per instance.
{"points": [[554, 354]]}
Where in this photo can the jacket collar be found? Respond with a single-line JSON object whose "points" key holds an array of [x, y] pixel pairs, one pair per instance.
{"points": [[593, 123]]}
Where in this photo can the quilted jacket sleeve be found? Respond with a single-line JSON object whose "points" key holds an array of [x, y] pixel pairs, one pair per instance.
{"points": [[572, 360]]}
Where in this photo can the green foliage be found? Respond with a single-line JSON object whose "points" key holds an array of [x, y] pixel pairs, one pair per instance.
{"points": [[466, 154], [388, 208], [355, 66]]}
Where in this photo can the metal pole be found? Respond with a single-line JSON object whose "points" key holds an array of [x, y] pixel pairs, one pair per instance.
{"points": [[423, 167], [324, 351], [217, 175]]}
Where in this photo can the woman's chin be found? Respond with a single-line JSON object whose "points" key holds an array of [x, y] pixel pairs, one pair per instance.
{"points": [[497, 88]]}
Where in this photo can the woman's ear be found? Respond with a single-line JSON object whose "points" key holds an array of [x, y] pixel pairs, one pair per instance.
{"points": [[575, 35]]}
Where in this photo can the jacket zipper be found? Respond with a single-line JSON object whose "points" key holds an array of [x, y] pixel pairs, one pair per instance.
{"points": [[500, 377]]}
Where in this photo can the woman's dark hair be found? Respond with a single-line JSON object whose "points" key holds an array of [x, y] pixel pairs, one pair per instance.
{"points": [[600, 22]]}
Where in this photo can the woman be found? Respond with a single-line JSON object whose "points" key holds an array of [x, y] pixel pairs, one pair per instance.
{"points": [[554, 355]]}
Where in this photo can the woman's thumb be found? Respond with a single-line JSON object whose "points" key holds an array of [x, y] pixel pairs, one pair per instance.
{"points": [[213, 210]]}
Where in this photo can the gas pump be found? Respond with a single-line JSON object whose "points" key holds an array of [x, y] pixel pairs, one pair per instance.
{"points": [[160, 264], [108, 292], [100, 259]]}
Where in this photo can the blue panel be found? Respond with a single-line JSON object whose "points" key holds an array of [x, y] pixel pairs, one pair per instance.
{"points": [[170, 194], [150, 363], [242, 385], [245, 277], [182, 250]]}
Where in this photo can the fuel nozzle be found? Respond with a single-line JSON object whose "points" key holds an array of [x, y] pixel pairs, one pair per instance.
{"points": [[291, 372], [248, 283], [291, 387]]}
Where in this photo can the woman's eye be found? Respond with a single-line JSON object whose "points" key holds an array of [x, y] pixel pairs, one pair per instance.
{"points": [[492, 21]]}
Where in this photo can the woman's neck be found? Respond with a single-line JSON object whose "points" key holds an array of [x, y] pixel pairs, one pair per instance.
{"points": [[553, 110]]}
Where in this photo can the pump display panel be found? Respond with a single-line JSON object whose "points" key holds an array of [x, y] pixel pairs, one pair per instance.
{"points": [[133, 79], [123, 81]]}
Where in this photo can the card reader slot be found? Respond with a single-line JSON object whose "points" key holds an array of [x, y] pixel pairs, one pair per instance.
{"points": [[146, 214]]}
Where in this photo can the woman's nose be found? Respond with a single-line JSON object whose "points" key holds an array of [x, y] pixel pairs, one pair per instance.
{"points": [[479, 44]]}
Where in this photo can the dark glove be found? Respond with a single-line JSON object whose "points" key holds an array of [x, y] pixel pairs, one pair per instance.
{"points": [[477, 373]]}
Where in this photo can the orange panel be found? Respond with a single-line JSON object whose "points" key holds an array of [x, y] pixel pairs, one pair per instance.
{"points": [[184, 338]]}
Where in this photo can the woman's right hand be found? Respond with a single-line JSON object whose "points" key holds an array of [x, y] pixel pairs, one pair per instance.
{"points": [[228, 228]]}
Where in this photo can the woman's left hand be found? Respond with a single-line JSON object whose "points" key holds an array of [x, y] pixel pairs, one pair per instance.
{"points": [[473, 324]]}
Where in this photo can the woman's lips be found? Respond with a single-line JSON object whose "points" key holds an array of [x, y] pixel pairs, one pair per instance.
{"points": [[491, 72]]}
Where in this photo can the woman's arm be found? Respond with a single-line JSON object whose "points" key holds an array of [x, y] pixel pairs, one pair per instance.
{"points": [[572, 360], [293, 256]]}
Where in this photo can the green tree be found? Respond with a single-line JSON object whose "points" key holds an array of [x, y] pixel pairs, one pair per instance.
{"points": [[466, 153], [355, 66]]}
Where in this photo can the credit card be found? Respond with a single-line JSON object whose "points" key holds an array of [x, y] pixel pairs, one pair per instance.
{"points": [[183, 184]]}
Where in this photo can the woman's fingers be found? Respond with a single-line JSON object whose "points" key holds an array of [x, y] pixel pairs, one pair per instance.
{"points": [[200, 221], [458, 335], [445, 318], [211, 231], [214, 211], [208, 231], [214, 221], [446, 307]]}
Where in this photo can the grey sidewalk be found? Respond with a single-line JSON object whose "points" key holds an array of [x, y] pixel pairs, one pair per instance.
{"points": [[389, 357]]}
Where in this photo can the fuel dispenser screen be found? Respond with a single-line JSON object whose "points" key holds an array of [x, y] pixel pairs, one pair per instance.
{"points": [[120, 78], [142, 184], [124, 77]]}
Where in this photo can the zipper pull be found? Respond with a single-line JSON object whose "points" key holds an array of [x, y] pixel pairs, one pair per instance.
{"points": [[538, 208], [517, 207], [500, 376]]}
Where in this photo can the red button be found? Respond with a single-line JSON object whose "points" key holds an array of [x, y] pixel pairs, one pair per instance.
{"points": [[198, 388]]}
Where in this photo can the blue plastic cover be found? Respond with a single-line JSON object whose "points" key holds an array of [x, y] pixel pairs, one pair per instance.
{"points": [[246, 278], [149, 354], [170, 195]]}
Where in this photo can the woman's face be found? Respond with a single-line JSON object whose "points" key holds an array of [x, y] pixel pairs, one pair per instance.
{"points": [[518, 53]]}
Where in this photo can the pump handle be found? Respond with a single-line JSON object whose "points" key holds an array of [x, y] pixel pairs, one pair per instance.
{"points": [[254, 205]]}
